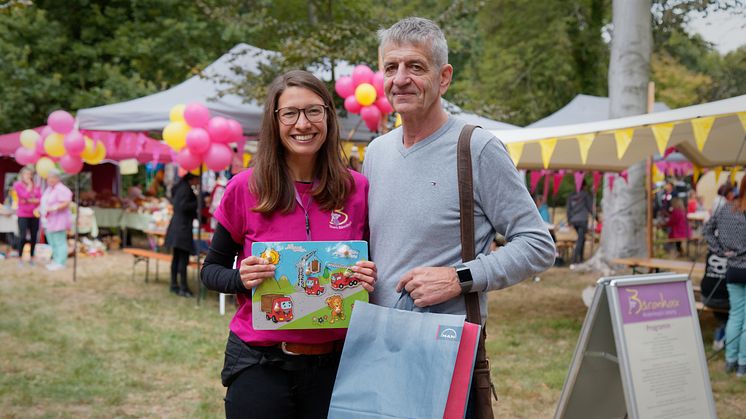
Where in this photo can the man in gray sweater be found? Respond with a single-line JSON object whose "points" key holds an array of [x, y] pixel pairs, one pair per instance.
{"points": [[413, 197]]}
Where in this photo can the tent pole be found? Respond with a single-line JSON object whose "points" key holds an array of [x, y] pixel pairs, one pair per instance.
{"points": [[77, 217], [649, 178], [201, 289]]}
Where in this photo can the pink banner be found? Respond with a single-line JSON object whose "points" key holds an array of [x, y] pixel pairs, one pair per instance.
{"points": [[579, 176], [597, 176], [624, 175], [557, 181], [535, 177]]}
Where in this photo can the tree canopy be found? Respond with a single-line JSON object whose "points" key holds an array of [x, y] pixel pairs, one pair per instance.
{"points": [[514, 60]]}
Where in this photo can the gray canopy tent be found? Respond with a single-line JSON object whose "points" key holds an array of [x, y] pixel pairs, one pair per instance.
{"points": [[151, 113]]}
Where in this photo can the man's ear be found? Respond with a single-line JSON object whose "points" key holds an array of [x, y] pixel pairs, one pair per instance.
{"points": [[446, 76]]}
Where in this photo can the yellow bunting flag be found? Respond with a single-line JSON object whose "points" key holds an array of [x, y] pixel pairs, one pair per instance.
{"points": [[623, 137], [246, 159], [733, 171], [361, 152], [662, 133], [742, 118], [584, 142], [718, 170], [547, 149], [656, 175], [701, 128], [697, 172], [516, 151]]}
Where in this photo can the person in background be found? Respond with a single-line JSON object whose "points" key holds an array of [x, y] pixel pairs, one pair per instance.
{"points": [[543, 208], [179, 232], [56, 218], [298, 189], [677, 223], [29, 198], [725, 233], [579, 207]]}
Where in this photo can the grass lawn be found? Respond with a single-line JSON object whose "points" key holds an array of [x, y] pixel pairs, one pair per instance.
{"points": [[110, 346]]}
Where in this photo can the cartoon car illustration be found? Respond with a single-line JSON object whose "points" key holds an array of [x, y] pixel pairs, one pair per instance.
{"points": [[311, 286], [277, 307], [340, 280]]}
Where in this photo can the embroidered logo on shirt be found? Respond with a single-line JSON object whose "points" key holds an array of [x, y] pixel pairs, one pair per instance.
{"points": [[339, 220]]}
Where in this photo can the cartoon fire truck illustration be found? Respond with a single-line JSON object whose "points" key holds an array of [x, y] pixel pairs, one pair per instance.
{"points": [[277, 307], [308, 266], [340, 280]]}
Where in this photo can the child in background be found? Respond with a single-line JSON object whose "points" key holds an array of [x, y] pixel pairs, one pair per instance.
{"points": [[678, 225]]}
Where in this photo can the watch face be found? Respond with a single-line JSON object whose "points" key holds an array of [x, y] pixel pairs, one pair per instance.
{"points": [[464, 274]]}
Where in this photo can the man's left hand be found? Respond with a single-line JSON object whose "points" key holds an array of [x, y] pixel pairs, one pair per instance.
{"points": [[429, 286]]}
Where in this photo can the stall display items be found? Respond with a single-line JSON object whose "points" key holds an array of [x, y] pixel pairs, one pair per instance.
{"points": [[313, 286]]}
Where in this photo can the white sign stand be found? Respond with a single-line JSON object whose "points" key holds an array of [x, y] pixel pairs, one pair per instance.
{"points": [[640, 353]]}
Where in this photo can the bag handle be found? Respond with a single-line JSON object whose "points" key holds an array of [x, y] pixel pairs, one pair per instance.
{"points": [[482, 380]]}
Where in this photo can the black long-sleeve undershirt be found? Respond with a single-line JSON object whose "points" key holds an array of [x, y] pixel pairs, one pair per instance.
{"points": [[217, 271]]}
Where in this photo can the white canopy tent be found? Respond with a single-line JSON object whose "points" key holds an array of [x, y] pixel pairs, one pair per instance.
{"points": [[583, 108], [151, 113], [709, 135]]}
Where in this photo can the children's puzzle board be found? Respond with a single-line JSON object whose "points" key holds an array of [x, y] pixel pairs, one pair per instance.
{"points": [[313, 287]]}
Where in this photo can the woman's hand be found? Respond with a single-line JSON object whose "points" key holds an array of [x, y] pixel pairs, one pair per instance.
{"points": [[254, 271], [365, 271]]}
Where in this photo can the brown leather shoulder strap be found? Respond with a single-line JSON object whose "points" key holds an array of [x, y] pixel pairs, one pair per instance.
{"points": [[466, 205]]}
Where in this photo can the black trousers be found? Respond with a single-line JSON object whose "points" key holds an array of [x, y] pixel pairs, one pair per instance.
{"points": [[27, 224], [179, 264], [281, 386], [577, 254]]}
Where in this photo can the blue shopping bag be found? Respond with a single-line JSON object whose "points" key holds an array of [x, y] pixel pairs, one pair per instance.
{"points": [[396, 364]]}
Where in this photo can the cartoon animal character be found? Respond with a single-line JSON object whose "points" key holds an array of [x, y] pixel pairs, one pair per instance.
{"points": [[336, 305]]}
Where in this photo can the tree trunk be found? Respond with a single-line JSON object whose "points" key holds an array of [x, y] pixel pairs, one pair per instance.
{"points": [[624, 207]]}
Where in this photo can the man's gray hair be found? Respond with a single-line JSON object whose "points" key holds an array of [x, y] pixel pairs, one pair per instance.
{"points": [[417, 31]]}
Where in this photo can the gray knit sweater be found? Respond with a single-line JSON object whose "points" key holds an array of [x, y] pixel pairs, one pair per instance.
{"points": [[726, 231]]}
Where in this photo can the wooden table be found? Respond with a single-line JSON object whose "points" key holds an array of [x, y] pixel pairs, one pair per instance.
{"points": [[658, 265]]}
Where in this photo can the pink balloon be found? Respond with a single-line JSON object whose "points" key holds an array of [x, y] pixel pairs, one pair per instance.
{"points": [[61, 121], [218, 157], [74, 143], [371, 115], [377, 82], [40, 147], [45, 132], [25, 156], [196, 115], [352, 105], [219, 130], [235, 129], [186, 160], [383, 105], [198, 141], [361, 74], [344, 87], [71, 164]]}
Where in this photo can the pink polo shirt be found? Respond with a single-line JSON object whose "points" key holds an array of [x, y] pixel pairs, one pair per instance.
{"points": [[247, 227], [59, 220], [26, 208]]}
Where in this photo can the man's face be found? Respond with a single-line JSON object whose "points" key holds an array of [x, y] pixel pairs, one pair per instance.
{"points": [[412, 82]]}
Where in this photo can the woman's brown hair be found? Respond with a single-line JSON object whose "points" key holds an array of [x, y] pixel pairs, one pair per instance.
{"points": [[271, 179], [741, 204]]}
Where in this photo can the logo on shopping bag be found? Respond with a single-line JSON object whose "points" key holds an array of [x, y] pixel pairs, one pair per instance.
{"points": [[452, 333]]}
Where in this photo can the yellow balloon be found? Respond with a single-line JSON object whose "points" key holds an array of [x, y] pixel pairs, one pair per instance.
{"points": [[29, 138], [90, 149], [365, 94], [54, 145], [98, 154], [175, 134], [177, 113], [196, 171], [43, 166]]}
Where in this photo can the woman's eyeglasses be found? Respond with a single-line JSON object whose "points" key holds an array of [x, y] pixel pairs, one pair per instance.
{"points": [[290, 115]]}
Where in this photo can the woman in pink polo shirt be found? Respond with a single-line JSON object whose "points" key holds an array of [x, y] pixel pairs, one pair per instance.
{"points": [[56, 218], [297, 182], [29, 196]]}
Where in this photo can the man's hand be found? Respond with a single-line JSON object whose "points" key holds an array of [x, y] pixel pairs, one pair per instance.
{"points": [[429, 286]]}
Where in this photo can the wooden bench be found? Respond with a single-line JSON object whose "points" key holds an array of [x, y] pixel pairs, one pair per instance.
{"points": [[144, 255], [658, 265]]}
